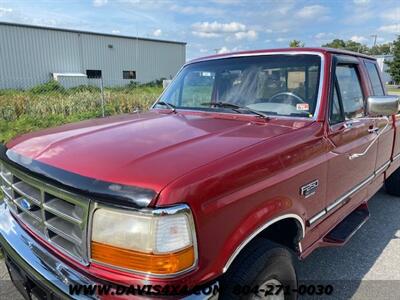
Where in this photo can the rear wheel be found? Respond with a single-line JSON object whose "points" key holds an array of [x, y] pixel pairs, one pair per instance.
{"points": [[263, 271], [392, 184]]}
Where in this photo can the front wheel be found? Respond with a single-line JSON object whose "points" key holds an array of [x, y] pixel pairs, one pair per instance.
{"points": [[263, 271]]}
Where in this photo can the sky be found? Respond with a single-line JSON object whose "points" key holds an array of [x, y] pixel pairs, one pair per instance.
{"points": [[218, 26]]}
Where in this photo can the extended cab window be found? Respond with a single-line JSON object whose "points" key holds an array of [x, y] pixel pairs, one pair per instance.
{"points": [[374, 78], [350, 91], [285, 85]]}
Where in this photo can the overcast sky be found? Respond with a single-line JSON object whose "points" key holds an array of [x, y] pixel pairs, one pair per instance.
{"points": [[211, 26]]}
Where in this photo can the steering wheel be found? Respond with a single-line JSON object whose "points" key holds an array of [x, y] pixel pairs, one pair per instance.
{"points": [[300, 100]]}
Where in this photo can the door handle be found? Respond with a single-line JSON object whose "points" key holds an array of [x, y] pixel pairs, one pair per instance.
{"points": [[373, 129]]}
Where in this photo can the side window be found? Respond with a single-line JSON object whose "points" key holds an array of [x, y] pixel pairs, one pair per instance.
{"points": [[374, 78], [336, 113], [350, 91], [128, 74], [93, 74]]}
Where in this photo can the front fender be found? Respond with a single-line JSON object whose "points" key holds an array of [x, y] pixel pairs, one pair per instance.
{"points": [[261, 218]]}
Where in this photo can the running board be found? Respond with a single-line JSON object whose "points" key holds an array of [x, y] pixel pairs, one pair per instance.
{"points": [[348, 227]]}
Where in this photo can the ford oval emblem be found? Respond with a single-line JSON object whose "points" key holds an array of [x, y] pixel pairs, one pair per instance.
{"points": [[26, 204]]}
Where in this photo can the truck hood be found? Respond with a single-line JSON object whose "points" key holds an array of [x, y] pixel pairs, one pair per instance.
{"points": [[146, 150]]}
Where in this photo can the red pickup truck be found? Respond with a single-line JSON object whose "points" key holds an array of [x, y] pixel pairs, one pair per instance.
{"points": [[246, 161]]}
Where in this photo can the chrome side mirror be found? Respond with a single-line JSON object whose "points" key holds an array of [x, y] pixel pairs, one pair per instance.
{"points": [[382, 106]]}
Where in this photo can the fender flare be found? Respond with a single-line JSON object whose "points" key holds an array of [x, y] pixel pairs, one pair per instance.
{"points": [[258, 230]]}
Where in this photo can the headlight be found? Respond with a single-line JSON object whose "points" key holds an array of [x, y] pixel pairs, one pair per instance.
{"points": [[159, 242]]}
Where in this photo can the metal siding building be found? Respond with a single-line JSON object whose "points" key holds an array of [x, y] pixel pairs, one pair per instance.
{"points": [[30, 54]]}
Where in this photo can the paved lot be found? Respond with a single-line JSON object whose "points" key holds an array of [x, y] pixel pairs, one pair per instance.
{"points": [[368, 267]]}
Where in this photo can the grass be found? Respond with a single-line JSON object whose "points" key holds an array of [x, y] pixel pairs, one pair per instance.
{"points": [[50, 105], [393, 90]]}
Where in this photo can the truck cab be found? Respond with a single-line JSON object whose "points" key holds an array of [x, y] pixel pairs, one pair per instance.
{"points": [[246, 162]]}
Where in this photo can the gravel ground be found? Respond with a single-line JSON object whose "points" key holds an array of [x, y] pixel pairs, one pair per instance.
{"points": [[367, 267]]}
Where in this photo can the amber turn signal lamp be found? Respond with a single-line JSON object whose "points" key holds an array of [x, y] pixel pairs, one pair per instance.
{"points": [[160, 264]]}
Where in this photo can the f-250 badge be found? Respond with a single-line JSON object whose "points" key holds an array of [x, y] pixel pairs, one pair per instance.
{"points": [[309, 189]]}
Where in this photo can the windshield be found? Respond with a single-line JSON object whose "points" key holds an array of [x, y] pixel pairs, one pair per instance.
{"points": [[284, 85]]}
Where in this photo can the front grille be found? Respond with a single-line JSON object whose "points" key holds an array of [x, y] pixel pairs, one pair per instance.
{"points": [[58, 216]]}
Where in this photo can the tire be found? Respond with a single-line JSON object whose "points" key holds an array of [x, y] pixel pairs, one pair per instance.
{"points": [[392, 184], [262, 263]]}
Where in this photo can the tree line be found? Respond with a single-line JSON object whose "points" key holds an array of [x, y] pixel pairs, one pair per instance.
{"points": [[381, 49], [392, 48]]}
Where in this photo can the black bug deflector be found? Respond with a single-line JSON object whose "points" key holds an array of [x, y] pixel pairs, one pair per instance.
{"points": [[101, 191]]}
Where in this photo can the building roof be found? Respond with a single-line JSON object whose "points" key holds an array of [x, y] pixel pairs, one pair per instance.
{"points": [[283, 50], [90, 32]]}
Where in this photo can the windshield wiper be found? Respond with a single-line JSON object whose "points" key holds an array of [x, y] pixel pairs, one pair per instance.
{"points": [[169, 105], [236, 108]]}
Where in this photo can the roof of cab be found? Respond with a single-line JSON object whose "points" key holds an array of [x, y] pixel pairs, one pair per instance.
{"points": [[282, 50]]}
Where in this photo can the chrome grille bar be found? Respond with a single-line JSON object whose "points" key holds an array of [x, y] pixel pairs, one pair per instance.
{"points": [[64, 210], [58, 216], [5, 175], [7, 191], [27, 191]]}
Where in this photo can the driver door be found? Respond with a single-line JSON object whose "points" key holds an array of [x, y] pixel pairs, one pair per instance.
{"points": [[350, 133]]}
